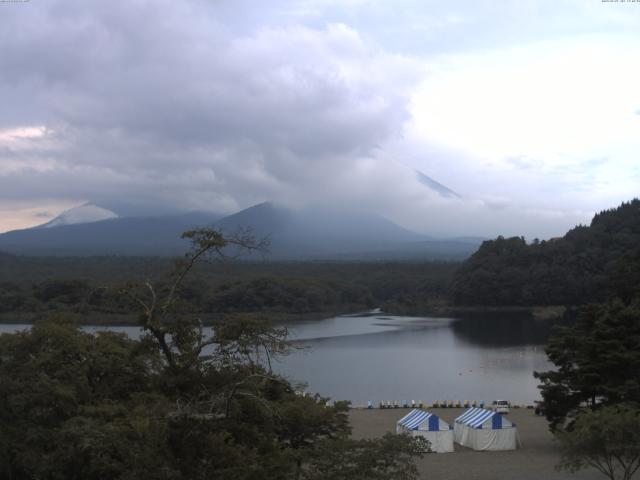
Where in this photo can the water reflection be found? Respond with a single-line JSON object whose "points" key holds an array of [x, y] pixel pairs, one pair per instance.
{"points": [[500, 331]]}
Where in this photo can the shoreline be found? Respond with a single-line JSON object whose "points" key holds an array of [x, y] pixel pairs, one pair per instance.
{"points": [[96, 319], [537, 312], [536, 458], [441, 405], [130, 320]]}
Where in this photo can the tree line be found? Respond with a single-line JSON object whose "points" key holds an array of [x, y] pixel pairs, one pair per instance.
{"points": [[592, 396], [589, 264], [88, 288]]}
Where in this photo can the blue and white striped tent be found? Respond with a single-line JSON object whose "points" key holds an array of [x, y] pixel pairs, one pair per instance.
{"points": [[429, 426], [476, 418], [482, 429]]}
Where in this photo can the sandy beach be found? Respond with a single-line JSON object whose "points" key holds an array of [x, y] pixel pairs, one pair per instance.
{"points": [[534, 461]]}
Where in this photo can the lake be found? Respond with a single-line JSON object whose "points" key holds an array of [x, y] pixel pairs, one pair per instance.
{"points": [[380, 357]]}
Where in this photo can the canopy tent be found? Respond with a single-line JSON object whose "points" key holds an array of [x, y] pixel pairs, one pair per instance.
{"points": [[482, 429], [420, 423]]}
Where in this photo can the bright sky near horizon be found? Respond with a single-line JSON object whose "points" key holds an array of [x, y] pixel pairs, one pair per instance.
{"points": [[529, 109]]}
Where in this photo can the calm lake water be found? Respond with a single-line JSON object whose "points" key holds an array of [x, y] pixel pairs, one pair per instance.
{"points": [[380, 357], [377, 357]]}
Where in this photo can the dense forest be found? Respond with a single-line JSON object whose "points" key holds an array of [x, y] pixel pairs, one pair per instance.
{"points": [[89, 288], [589, 264], [176, 404]]}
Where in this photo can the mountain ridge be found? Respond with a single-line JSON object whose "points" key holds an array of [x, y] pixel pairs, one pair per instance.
{"points": [[311, 233]]}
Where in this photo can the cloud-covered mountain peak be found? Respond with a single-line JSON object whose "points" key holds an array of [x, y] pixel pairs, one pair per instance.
{"points": [[86, 213], [436, 186]]}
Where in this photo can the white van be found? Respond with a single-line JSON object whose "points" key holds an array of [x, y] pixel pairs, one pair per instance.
{"points": [[500, 406]]}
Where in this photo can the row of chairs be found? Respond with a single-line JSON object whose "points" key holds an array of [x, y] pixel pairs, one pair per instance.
{"points": [[421, 404]]}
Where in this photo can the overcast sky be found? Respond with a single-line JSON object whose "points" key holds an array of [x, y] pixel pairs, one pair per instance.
{"points": [[529, 110]]}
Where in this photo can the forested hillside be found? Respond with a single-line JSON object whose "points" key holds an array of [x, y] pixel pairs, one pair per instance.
{"points": [[589, 264], [89, 287]]}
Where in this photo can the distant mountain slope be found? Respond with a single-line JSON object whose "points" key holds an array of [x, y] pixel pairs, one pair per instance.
{"points": [[320, 233], [86, 213], [588, 264], [436, 186], [6, 258], [121, 236], [324, 234], [264, 219], [307, 234]]}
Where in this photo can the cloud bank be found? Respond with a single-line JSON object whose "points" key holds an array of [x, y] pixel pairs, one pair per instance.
{"points": [[217, 106]]}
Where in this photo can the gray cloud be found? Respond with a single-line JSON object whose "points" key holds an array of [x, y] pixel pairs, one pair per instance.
{"points": [[148, 97], [220, 105]]}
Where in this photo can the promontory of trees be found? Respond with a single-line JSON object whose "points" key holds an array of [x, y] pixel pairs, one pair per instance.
{"points": [[589, 264], [87, 288]]}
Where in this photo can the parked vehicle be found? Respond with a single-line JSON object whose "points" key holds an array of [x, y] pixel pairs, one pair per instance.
{"points": [[500, 406], [538, 408]]}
